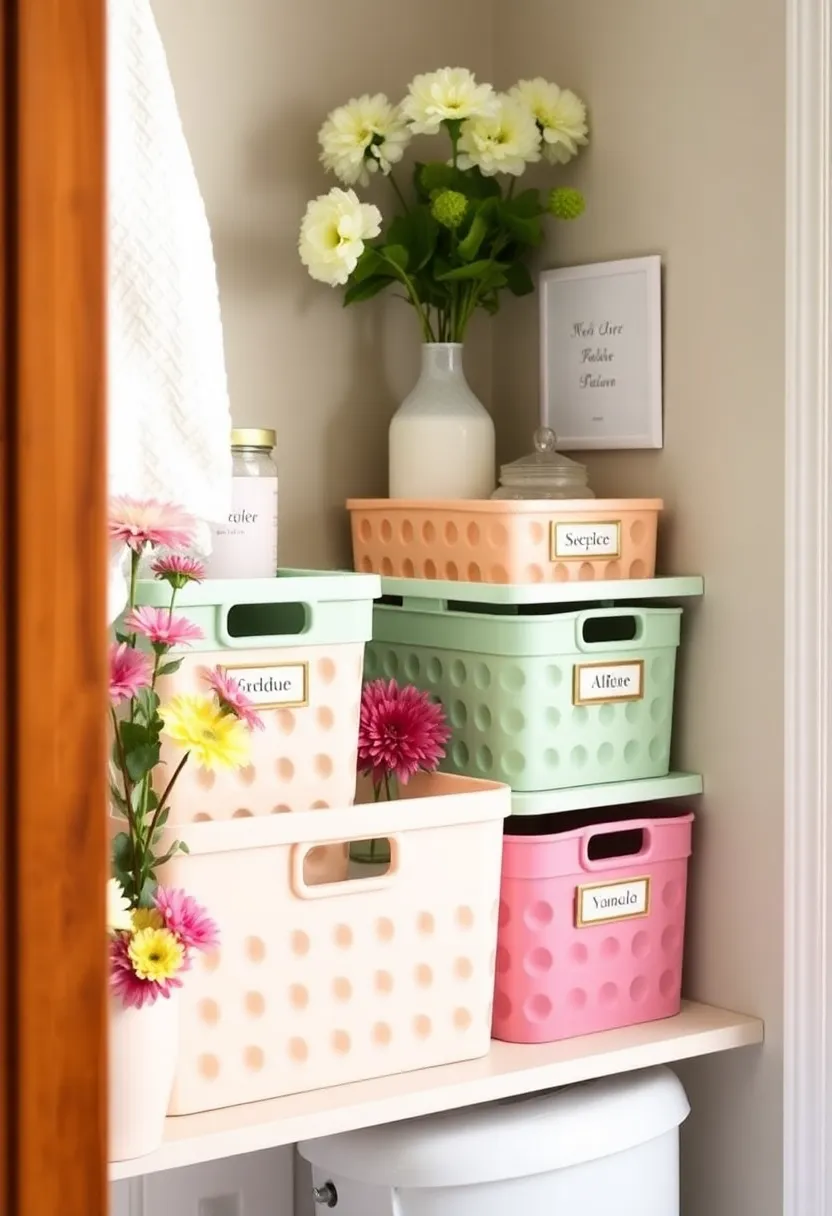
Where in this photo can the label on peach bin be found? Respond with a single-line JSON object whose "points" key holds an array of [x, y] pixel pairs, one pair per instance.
{"points": [[599, 683], [274, 685], [576, 542], [603, 902]]}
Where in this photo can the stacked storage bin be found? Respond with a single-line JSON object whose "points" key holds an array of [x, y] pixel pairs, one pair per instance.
{"points": [[321, 977], [538, 630]]}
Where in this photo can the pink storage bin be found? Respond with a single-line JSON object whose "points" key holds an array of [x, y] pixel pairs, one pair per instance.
{"points": [[318, 985], [494, 541], [592, 924]]}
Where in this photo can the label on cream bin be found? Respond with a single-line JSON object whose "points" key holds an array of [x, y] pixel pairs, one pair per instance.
{"points": [[599, 683], [579, 541], [601, 903], [274, 686]]}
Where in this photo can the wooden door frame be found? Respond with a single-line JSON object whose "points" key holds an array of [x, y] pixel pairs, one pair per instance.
{"points": [[53, 559]]}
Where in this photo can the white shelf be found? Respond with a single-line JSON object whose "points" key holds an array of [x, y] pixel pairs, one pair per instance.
{"points": [[509, 1069], [614, 793], [682, 587]]}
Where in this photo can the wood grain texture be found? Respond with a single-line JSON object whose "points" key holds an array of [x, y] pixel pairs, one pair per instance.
{"points": [[54, 110]]}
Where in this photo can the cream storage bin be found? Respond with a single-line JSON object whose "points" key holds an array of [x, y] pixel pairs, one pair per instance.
{"points": [[537, 695], [320, 985], [296, 642], [554, 541]]}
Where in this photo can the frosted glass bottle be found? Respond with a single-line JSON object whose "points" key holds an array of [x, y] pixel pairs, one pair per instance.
{"points": [[246, 546], [442, 437]]}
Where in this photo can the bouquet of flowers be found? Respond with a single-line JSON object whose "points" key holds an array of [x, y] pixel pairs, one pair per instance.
{"points": [[154, 931], [465, 234]]}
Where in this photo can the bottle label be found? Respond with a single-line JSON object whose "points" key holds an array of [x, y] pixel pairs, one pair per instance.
{"points": [[598, 683], [273, 685], [576, 542], [246, 545], [601, 903]]}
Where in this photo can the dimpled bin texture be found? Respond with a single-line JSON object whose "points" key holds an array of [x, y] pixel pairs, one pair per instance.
{"points": [[320, 985], [555, 980], [305, 758], [501, 542], [506, 683]]}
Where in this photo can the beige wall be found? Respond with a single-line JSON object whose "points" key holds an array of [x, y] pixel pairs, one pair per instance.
{"points": [[687, 161], [254, 80]]}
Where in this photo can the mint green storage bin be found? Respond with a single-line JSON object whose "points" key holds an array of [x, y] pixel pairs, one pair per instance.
{"points": [[538, 696]]}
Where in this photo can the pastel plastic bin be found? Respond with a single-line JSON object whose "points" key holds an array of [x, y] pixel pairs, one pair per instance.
{"points": [[536, 695], [485, 541], [324, 984], [592, 921], [297, 643]]}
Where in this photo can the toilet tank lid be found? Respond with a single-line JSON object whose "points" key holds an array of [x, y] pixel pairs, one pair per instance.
{"points": [[512, 1139]]}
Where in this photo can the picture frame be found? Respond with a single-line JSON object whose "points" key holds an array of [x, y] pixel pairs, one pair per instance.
{"points": [[601, 354]]}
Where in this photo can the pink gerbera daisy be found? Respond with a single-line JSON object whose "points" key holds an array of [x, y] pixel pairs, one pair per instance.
{"points": [[129, 672], [401, 732], [187, 919], [161, 628], [179, 570], [232, 698], [139, 522], [125, 984]]}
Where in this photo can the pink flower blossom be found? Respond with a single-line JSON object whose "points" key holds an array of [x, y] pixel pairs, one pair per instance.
{"points": [[179, 570], [232, 698], [126, 985], [160, 628], [401, 731], [139, 522], [129, 672], [187, 919]]}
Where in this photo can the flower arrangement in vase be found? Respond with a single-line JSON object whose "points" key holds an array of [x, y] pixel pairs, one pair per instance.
{"points": [[154, 931], [462, 238], [400, 732]]}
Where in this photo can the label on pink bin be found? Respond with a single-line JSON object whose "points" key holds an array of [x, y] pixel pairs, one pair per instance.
{"points": [[273, 685], [604, 902]]}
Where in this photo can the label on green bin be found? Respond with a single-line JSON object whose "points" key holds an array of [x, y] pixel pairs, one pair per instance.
{"points": [[598, 683], [273, 685]]}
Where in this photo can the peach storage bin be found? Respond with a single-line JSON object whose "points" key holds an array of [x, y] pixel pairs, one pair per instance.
{"points": [[319, 985], [592, 920], [300, 638], [506, 542]]}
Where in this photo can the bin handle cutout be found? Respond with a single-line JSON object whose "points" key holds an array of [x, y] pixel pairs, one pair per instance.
{"points": [[347, 886], [644, 853], [265, 624], [633, 627]]}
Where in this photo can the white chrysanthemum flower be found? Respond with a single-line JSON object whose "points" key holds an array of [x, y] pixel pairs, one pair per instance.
{"points": [[504, 143], [450, 93], [560, 114], [333, 233], [365, 135], [119, 916]]}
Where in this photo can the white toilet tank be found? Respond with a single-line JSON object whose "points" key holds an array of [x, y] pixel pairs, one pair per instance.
{"points": [[603, 1147]]}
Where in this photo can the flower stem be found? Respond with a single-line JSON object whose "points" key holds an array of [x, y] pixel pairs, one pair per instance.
{"points": [[404, 277], [397, 191]]}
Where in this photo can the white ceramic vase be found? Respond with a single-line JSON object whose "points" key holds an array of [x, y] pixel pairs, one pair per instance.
{"points": [[441, 436], [143, 1047]]}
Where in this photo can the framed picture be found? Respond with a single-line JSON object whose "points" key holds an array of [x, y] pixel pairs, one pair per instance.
{"points": [[601, 354]]}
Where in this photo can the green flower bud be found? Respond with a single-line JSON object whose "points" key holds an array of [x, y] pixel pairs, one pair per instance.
{"points": [[449, 208], [566, 203]]}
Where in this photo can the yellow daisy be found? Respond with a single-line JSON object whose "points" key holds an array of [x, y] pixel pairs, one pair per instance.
{"points": [[155, 954], [147, 918], [216, 740]]}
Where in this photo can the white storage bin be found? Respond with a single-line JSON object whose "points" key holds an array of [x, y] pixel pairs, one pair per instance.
{"points": [[609, 1146]]}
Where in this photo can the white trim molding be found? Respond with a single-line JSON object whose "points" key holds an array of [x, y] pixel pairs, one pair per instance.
{"points": [[808, 644]]}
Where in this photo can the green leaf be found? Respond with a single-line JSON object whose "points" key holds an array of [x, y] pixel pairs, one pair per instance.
{"points": [[526, 231], [183, 848], [142, 760], [519, 279], [418, 233], [122, 852], [161, 821], [147, 702], [122, 637], [133, 734], [370, 263], [397, 254], [526, 205], [474, 270], [366, 290], [438, 176], [148, 891], [469, 246], [118, 798], [168, 669]]}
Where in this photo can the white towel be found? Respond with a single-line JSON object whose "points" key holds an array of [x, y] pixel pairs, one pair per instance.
{"points": [[168, 414]]}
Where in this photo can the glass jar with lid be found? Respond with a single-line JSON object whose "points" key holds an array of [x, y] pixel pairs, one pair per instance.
{"points": [[544, 473], [246, 545]]}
